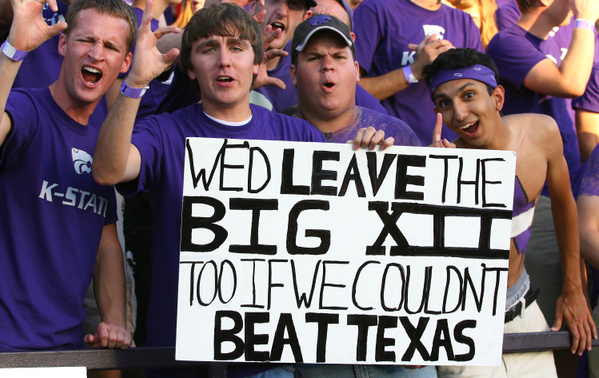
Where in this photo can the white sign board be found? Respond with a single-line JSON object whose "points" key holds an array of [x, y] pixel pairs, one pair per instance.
{"points": [[314, 253]]}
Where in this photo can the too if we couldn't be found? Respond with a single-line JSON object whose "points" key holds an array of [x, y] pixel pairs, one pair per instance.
{"points": [[298, 253]]}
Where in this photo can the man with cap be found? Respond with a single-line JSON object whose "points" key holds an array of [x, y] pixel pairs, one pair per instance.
{"points": [[463, 86], [325, 73]]}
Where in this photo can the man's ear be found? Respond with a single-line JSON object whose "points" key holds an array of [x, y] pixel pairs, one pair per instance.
{"points": [[191, 74], [293, 74], [62, 44], [126, 62], [499, 97], [353, 36], [357, 71], [256, 69], [252, 6], [307, 15]]}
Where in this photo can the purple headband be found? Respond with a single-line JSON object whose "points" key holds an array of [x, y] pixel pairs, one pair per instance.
{"points": [[477, 72]]}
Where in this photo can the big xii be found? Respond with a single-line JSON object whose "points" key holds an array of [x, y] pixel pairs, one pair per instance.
{"points": [[315, 253]]}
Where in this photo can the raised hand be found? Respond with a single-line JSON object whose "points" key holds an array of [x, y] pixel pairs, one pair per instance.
{"points": [[29, 30], [369, 137], [426, 52], [263, 80], [148, 62], [437, 141]]}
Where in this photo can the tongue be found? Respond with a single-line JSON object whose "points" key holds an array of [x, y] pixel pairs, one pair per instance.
{"points": [[90, 77], [471, 129]]}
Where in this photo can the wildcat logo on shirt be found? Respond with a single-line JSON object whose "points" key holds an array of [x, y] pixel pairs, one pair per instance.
{"points": [[82, 160], [51, 17], [434, 29]]}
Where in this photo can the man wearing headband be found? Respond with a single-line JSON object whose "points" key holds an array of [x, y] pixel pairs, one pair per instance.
{"points": [[463, 86]]}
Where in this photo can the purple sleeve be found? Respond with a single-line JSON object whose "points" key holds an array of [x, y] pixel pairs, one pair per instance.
{"points": [[24, 119], [366, 28], [590, 180], [366, 100], [507, 15], [147, 140], [590, 99], [514, 56]]}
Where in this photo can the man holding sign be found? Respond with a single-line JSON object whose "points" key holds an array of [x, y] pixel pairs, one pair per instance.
{"points": [[463, 86], [221, 51]]}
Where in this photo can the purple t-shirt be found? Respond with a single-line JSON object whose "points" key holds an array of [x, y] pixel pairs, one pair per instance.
{"points": [[393, 127], [590, 178], [516, 52], [53, 213], [284, 98], [384, 28], [161, 141], [590, 99], [41, 67]]}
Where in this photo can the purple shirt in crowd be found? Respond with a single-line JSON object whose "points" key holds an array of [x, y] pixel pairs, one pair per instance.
{"points": [[53, 214], [393, 127], [590, 178], [516, 52], [384, 28], [161, 142]]}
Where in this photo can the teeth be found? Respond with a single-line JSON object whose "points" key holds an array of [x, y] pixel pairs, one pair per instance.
{"points": [[467, 126], [278, 25], [92, 70]]}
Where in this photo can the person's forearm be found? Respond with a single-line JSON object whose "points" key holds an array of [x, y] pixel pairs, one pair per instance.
{"points": [[109, 281], [577, 64], [385, 85], [114, 141], [565, 220]]}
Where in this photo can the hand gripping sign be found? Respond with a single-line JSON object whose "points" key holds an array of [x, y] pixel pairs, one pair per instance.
{"points": [[315, 253]]}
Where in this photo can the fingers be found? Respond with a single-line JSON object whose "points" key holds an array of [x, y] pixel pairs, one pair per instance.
{"points": [[147, 17], [56, 29], [161, 32], [269, 36], [259, 17], [53, 5], [368, 138], [412, 47], [170, 56], [274, 82], [438, 128], [388, 142], [273, 53], [109, 336]]}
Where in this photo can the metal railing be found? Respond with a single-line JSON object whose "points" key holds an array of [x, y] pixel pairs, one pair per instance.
{"points": [[137, 358]]}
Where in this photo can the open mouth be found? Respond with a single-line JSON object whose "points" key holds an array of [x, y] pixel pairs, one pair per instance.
{"points": [[278, 26], [328, 86], [224, 79], [91, 75], [470, 128]]}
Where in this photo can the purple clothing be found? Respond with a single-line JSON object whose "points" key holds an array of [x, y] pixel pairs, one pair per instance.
{"points": [[590, 99], [161, 142], [516, 52], [284, 98], [41, 67], [590, 178], [53, 214], [521, 215], [398, 129], [384, 28]]}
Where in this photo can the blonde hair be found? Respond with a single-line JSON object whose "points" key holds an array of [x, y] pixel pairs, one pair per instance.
{"points": [[184, 15], [486, 16]]}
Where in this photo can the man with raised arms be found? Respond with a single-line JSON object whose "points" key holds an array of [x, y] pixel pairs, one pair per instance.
{"points": [[463, 86], [221, 51], [58, 225]]}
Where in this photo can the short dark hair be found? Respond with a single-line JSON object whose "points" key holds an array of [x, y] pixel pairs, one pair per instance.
{"points": [[113, 8], [459, 58], [227, 20], [526, 6]]}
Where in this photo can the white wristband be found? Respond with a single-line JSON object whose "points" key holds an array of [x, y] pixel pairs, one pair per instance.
{"points": [[407, 72], [585, 24]]}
